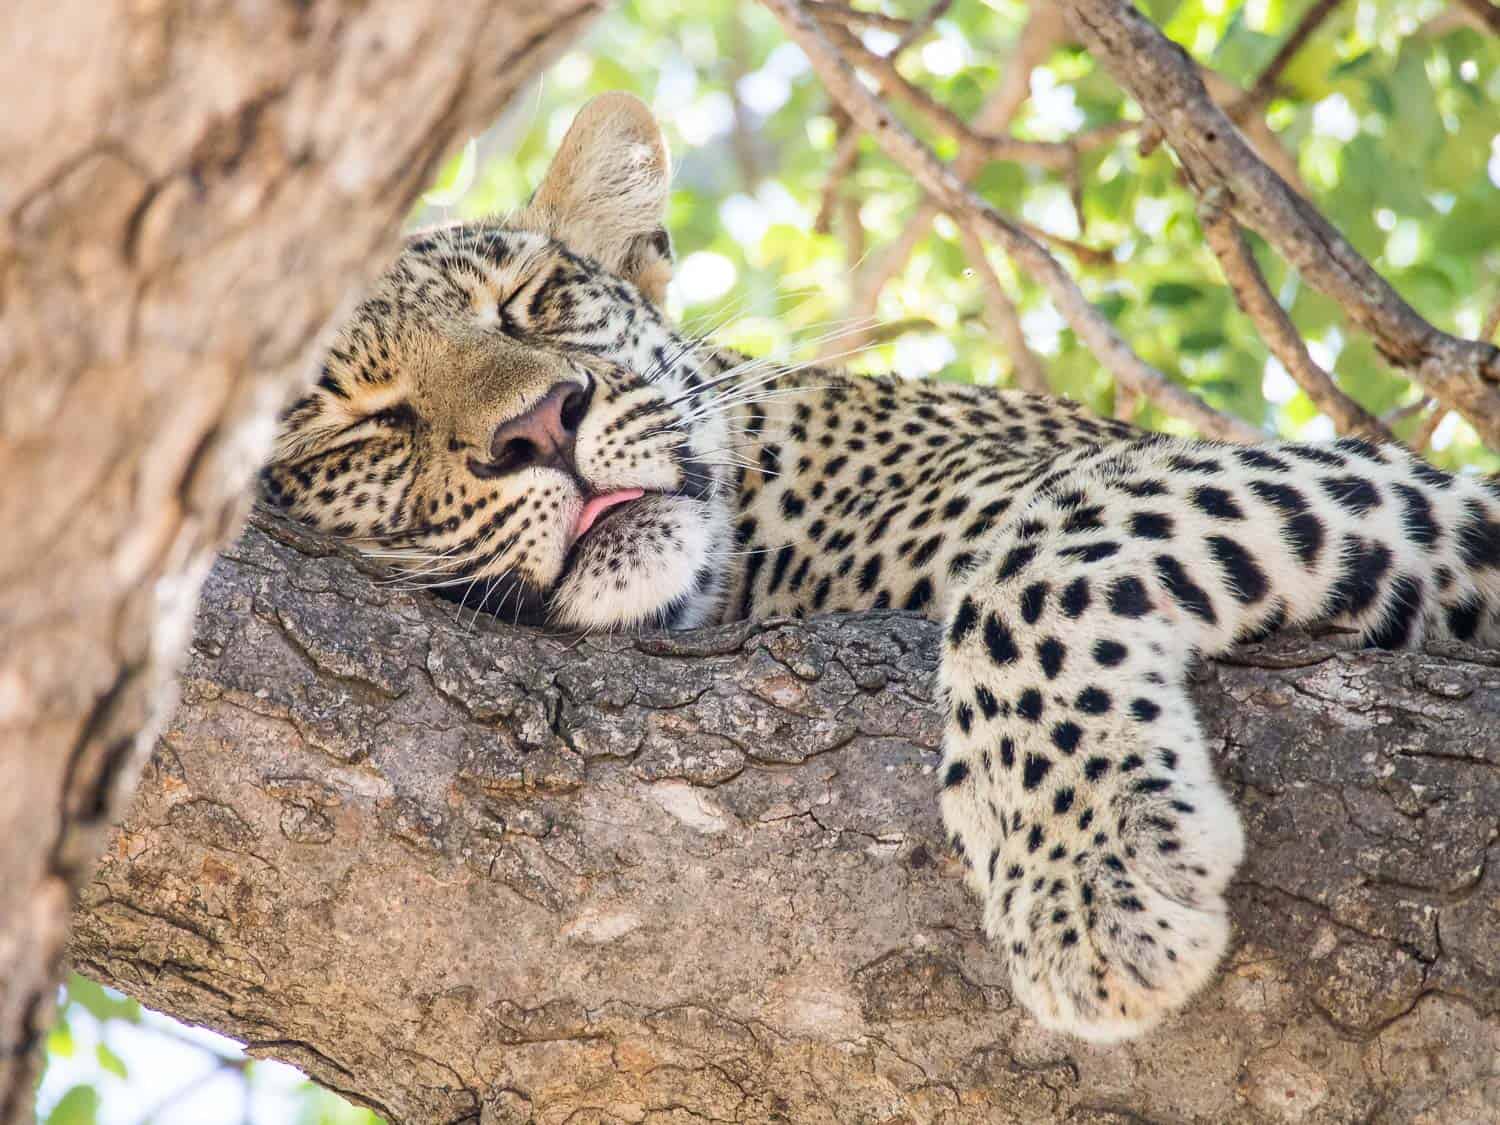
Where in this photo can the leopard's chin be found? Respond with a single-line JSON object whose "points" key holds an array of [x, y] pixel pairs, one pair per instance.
{"points": [[654, 562]]}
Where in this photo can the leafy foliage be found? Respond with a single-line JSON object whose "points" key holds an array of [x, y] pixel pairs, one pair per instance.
{"points": [[1395, 131]]}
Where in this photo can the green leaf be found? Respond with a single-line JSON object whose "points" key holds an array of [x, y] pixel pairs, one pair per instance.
{"points": [[1173, 294], [1206, 340], [60, 1040], [102, 1003], [79, 1106], [109, 1062]]}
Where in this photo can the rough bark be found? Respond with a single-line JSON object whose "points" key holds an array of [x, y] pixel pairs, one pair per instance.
{"points": [[465, 872], [189, 191]]}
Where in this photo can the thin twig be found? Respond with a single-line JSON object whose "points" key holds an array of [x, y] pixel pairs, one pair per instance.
{"points": [[1423, 437], [1257, 301], [1265, 84], [1484, 12], [1461, 374], [854, 17], [1038, 38], [846, 152], [1054, 155], [1003, 318], [968, 209]]}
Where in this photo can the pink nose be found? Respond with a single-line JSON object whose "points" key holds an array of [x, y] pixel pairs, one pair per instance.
{"points": [[543, 436]]}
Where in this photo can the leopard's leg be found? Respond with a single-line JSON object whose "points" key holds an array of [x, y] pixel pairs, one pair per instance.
{"points": [[1077, 783]]}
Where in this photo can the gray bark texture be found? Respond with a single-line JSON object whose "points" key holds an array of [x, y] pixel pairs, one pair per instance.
{"points": [[469, 873], [188, 191]]}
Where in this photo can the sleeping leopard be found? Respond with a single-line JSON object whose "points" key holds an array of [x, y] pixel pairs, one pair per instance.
{"points": [[510, 419]]}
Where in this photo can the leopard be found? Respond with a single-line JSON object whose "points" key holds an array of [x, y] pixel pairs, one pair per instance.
{"points": [[511, 419]]}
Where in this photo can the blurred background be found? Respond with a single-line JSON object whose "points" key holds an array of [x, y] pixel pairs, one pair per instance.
{"points": [[1388, 116]]}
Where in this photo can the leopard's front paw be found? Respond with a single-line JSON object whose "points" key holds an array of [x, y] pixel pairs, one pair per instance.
{"points": [[1143, 958]]}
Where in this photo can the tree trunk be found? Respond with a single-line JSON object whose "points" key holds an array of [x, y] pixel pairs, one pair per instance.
{"points": [[189, 191], [463, 872]]}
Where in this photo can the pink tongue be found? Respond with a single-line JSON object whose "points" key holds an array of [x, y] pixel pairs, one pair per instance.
{"points": [[596, 506]]}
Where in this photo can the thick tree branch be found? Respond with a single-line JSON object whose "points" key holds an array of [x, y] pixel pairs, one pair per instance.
{"points": [[1166, 83], [190, 192], [468, 873], [967, 209]]}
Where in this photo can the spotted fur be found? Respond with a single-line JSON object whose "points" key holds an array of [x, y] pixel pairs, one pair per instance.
{"points": [[1079, 565]]}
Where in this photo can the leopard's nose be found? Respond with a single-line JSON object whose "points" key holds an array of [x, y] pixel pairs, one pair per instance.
{"points": [[543, 436]]}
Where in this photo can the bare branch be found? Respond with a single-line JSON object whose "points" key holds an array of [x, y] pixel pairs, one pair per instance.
{"points": [[1264, 86], [1040, 36], [967, 208], [1054, 155], [1161, 78], [854, 17], [1484, 12], [1257, 301]]}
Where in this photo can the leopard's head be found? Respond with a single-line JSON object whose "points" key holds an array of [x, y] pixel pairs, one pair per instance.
{"points": [[510, 420]]}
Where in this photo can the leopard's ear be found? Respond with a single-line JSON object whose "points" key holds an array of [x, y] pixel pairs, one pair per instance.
{"points": [[605, 194]]}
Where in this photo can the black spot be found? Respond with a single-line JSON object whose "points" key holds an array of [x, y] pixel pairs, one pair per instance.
{"points": [[1091, 552], [1075, 598], [1062, 801], [963, 714], [1144, 710], [1316, 455], [1402, 609], [1416, 515], [1095, 768], [919, 595], [1364, 563], [1187, 593], [1142, 488], [1037, 768], [1355, 493], [778, 572], [1151, 525], [1033, 598], [1084, 519], [1029, 706], [925, 552], [1283, 496], [1128, 598], [1463, 618], [1216, 502], [1305, 533], [1359, 446], [869, 574], [1110, 653], [1015, 560], [957, 774], [963, 621], [792, 505], [1189, 465], [1092, 701], [987, 701], [1007, 753], [1260, 459], [1066, 736], [1051, 652], [1479, 538], [1247, 581], [998, 640], [1034, 838]]}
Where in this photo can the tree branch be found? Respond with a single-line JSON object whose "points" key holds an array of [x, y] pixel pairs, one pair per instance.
{"points": [[1165, 82], [462, 872], [965, 207], [1257, 301]]}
